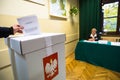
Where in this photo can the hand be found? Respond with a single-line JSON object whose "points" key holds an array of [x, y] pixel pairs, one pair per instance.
{"points": [[91, 39], [17, 28]]}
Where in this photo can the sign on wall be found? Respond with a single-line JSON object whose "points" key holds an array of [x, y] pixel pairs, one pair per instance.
{"points": [[57, 8], [42, 2]]}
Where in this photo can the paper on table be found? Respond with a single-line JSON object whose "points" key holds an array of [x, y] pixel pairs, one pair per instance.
{"points": [[115, 43], [30, 24]]}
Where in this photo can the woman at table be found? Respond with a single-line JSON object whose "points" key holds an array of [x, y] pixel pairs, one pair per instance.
{"points": [[94, 36]]}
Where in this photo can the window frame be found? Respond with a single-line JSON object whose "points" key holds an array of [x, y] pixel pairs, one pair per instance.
{"points": [[117, 32]]}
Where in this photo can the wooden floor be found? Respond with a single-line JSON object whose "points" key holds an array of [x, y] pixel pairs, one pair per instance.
{"points": [[78, 70]]}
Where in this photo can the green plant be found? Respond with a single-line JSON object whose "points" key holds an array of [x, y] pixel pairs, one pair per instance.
{"points": [[74, 11]]}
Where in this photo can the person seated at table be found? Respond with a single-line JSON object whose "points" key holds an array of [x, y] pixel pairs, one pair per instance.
{"points": [[93, 36]]}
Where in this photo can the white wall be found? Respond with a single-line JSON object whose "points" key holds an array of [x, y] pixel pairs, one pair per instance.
{"points": [[10, 10]]}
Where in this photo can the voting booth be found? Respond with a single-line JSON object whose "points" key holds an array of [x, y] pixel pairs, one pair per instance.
{"points": [[38, 57]]}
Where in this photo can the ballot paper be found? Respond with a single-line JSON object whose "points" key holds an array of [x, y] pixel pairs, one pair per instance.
{"points": [[30, 24]]}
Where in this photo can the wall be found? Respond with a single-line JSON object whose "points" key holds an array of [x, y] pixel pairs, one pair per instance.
{"points": [[10, 10], [113, 39]]}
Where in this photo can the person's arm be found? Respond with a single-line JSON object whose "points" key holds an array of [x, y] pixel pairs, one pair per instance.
{"points": [[99, 37], [90, 38], [5, 31]]}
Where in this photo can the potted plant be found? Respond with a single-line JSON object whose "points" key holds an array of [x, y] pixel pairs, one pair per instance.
{"points": [[74, 11]]}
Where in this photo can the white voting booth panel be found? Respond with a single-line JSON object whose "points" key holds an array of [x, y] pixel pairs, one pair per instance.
{"points": [[38, 57]]}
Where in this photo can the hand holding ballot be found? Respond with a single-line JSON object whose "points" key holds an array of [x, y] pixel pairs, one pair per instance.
{"points": [[31, 25], [6, 31], [17, 28]]}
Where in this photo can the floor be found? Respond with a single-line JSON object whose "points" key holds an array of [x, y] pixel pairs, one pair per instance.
{"points": [[78, 70]]}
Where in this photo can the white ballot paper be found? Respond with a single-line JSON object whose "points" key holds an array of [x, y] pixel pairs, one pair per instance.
{"points": [[30, 24]]}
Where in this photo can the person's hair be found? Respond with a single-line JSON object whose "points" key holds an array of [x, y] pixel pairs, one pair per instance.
{"points": [[93, 29]]}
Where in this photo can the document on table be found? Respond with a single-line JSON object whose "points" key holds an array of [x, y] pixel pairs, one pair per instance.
{"points": [[115, 43], [30, 24]]}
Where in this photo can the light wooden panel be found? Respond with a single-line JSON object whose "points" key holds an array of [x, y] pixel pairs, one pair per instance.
{"points": [[6, 74], [113, 39], [4, 58]]}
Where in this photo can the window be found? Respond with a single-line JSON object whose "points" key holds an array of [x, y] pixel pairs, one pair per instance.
{"points": [[110, 16]]}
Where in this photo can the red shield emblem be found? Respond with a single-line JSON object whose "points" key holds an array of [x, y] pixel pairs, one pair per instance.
{"points": [[50, 66]]}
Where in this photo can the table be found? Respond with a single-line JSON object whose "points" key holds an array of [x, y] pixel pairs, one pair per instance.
{"points": [[105, 55]]}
